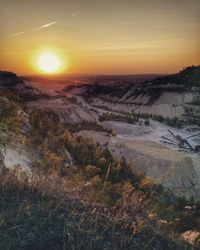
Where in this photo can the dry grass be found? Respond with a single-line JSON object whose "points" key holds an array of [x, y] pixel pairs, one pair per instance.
{"points": [[50, 212]]}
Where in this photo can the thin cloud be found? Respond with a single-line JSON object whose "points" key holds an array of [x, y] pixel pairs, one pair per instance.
{"points": [[17, 34], [34, 29], [48, 25], [73, 14]]}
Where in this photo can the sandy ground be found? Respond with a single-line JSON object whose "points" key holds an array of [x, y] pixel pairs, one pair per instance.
{"points": [[66, 110], [15, 157], [151, 133]]}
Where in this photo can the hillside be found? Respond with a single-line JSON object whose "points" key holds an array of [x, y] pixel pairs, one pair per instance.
{"points": [[73, 182], [167, 96], [189, 76], [11, 81]]}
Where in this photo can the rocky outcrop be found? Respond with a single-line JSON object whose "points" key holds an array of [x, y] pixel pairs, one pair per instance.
{"points": [[9, 79], [184, 177], [192, 237]]}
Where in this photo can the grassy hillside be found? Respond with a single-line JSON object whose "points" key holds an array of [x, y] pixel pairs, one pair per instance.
{"points": [[49, 214]]}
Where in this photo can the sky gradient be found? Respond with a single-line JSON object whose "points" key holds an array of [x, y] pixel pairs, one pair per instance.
{"points": [[101, 37]]}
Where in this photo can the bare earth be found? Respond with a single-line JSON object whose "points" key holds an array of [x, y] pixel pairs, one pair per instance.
{"points": [[142, 147]]}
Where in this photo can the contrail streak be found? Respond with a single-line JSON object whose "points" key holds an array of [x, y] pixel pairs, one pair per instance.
{"points": [[18, 34], [47, 25], [34, 29]]}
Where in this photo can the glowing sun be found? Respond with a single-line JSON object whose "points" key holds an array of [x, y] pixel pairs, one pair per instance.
{"points": [[49, 62]]}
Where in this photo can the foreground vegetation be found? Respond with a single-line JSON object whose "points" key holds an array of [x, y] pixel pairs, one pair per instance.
{"points": [[51, 213]]}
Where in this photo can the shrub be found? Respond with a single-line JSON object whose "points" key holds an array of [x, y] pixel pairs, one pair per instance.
{"points": [[147, 123], [92, 171]]}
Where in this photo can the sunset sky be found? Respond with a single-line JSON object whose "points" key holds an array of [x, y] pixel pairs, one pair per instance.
{"points": [[100, 37]]}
